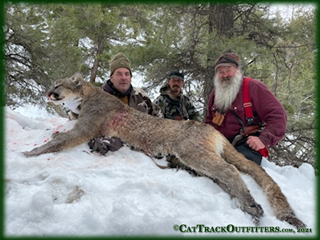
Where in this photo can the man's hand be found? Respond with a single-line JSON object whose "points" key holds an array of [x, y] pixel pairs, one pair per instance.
{"points": [[255, 143]]}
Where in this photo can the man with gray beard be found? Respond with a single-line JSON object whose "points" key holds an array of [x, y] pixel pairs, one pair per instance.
{"points": [[251, 135]]}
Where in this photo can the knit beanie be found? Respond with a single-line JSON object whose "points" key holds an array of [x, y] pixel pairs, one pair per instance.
{"points": [[119, 60], [227, 59]]}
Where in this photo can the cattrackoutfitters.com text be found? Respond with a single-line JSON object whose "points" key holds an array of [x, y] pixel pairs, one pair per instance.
{"points": [[201, 228]]}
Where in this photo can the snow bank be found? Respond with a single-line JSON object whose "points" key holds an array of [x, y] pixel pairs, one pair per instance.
{"points": [[78, 193]]}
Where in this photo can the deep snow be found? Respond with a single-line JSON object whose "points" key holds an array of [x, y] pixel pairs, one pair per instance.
{"points": [[78, 193]]}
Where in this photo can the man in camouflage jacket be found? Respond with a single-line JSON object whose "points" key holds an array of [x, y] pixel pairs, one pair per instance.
{"points": [[173, 104], [120, 86]]}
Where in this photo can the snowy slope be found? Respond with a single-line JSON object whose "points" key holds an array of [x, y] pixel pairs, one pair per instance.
{"points": [[78, 193]]}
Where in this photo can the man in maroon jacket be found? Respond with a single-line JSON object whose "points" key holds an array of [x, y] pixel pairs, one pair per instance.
{"points": [[226, 111]]}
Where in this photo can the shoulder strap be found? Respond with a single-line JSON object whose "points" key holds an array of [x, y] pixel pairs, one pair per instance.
{"points": [[246, 102]]}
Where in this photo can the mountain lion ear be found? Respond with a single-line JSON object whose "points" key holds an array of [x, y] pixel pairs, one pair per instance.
{"points": [[77, 79]]}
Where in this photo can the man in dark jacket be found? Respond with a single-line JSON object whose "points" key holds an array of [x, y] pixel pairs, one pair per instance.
{"points": [[226, 111], [120, 86]]}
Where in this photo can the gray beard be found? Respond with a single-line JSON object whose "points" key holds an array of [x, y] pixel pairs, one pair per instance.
{"points": [[226, 91]]}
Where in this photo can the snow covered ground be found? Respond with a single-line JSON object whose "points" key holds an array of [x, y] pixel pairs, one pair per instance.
{"points": [[78, 193]]}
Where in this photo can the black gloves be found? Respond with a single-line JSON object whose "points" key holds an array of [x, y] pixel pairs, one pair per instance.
{"points": [[103, 145]]}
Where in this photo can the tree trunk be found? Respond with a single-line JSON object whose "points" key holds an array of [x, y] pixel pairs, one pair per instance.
{"points": [[222, 16], [96, 63], [220, 23]]}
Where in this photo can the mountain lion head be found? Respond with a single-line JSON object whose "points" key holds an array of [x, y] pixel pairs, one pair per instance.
{"points": [[66, 89]]}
